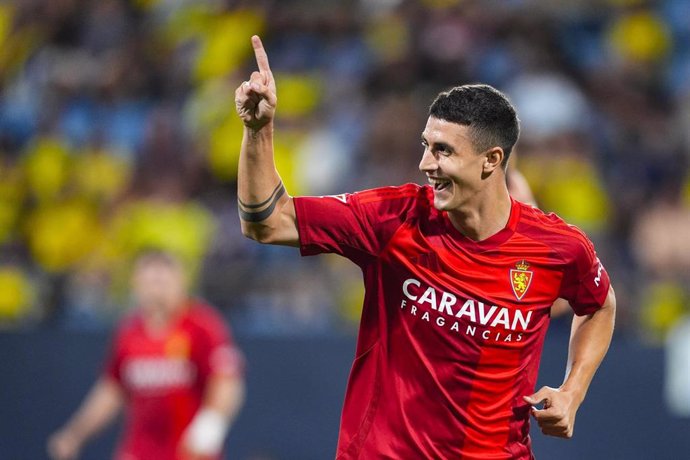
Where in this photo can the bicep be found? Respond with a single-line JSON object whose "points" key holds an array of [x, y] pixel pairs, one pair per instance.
{"points": [[606, 314], [609, 305], [279, 228], [610, 302], [586, 285], [287, 234]]}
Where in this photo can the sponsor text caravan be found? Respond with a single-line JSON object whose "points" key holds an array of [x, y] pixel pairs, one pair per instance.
{"points": [[471, 317]]}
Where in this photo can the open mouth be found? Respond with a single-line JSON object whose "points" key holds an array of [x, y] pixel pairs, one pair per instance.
{"points": [[439, 184]]}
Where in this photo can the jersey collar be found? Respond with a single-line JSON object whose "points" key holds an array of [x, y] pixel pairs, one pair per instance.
{"points": [[491, 242]]}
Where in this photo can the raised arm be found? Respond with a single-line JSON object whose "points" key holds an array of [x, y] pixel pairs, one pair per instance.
{"points": [[267, 212], [589, 341]]}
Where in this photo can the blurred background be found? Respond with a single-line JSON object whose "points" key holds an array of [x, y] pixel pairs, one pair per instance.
{"points": [[118, 133]]}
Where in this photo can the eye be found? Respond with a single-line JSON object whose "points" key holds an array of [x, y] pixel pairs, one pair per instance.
{"points": [[443, 150]]}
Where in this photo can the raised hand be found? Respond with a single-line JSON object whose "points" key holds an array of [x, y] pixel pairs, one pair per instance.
{"points": [[255, 99]]}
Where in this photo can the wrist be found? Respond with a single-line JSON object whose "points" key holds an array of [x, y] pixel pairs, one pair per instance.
{"points": [[577, 393], [256, 132], [206, 432]]}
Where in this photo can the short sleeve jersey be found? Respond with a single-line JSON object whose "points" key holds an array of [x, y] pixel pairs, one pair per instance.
{"points": [[452, 329], [164, 377]]}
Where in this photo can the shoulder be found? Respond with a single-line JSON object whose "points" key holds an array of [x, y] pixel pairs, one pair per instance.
{"points": [[202, 315], [396, 204], [550, 229], [397, 199], [406, 192], [532, 215], [391, 197]]}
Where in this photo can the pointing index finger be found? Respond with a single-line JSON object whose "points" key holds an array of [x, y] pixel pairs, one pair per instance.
{"points": [[261, 56]]}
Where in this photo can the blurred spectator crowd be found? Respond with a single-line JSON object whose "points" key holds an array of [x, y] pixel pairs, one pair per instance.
{"points": [[118, 133]]}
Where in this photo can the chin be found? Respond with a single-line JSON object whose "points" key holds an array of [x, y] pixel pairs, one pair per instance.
{"points": [[444, 200], [441, 205]]}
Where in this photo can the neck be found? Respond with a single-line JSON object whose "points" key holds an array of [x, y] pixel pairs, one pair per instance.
{"points": [[159, 320], [483, 218]]}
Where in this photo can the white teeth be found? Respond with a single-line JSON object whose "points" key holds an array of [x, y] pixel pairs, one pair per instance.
{"points": [[438, 184]]}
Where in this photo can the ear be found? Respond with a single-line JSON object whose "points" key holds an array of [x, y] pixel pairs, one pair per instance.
{"points": [[493, 159]]}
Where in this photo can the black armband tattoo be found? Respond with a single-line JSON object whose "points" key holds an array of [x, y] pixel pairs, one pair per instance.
{"points": [[247, 212]]}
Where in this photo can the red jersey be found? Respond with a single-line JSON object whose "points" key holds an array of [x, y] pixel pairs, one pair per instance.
{"points": [[452, 329], [164, 377]]}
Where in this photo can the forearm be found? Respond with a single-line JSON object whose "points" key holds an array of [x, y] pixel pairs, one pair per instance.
{"points": [[225, 395], [589, 341], [222, 401], [99, 408], [257, 176], [266, 211]]}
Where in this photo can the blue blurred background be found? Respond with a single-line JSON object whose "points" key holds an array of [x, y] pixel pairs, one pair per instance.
{"points": [[118, 132]]}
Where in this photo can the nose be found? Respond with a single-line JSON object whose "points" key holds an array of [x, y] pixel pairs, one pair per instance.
{"points": [[428, 162]]}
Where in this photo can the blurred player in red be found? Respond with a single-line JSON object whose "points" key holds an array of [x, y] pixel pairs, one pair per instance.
{"points": [[174, 368], [459, 277]]}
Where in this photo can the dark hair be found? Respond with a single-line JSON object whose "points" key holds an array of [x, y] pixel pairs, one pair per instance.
{"points": [[483, 108]]}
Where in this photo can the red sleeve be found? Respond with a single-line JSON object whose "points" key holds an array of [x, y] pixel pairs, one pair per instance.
{"points": [[355, 225], [586, 282], [216, 352]]}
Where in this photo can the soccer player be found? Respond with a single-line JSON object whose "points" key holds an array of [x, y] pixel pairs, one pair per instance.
{"points": [[173, 365], [459, 281]]}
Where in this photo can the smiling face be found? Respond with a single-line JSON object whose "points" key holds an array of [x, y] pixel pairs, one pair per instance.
{"points": [[453, 167]]}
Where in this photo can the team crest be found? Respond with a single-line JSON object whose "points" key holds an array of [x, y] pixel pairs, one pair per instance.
{"points": [[520, 279]]}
